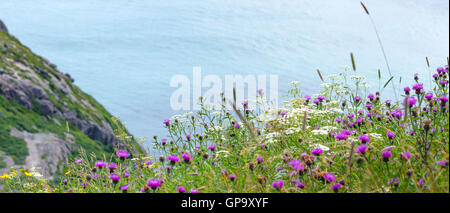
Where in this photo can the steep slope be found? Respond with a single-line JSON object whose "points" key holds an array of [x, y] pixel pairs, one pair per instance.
{"points": [[37, 106]]}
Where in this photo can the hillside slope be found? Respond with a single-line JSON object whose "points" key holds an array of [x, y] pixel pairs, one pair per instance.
{"points": [[38, 104]]}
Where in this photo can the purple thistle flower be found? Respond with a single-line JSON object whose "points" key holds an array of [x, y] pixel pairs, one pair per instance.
{"points": [[100, 164], [390, 135], [421, 182], [232, 177], [329, 177], [78, 161], [335, 188], [317, 151], [154, 183], [115, 178], [124, 188], [443, 99], [357, 99], [166, 122], [260, 160], [429, 96], [224, 172], [321, 98], [236, 125], [371, 97], [123, 154], [364, 138], [369, 106], [406, 90], [386, 156], [406, 155], [341, 136], [188, 137], [418, 87], [194, 191], [181, 189], [112, 167], [278, 184], [361, 149], [443, 163], [212, 147], [186, 157], [300, 185], [173, 159]]}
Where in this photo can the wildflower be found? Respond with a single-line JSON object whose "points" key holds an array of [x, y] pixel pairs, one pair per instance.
{"points": [[405, 155], [232, 177], [321, 98], [335, 188], [421, 182], [173, 159], [300, 185], [429, 96], [371, 97], [361, 149], [154, 183], [443, 163], [123, 155], [278, 184], [100, 164], [369, 106], [166, 122], [406, 90], [112, 167], [260, 91], [364, 139], [5, 176], [78, 161], [194, 191], [386, 155], [341, 136], [224, 172], [115, 178], [443, 99], [186, 157], [84, 185], [418, 88], [236, 125], [212, 147], [357, 99], [317, 151], [127, 175], [67, 173], [260, 160], [28, 174], [164, 142], [181, 189], [188, 137], [395, 182], [390, 135], [124, 188], [329, 177]]}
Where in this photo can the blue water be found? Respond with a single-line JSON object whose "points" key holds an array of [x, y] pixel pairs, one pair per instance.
{"points": [[124, 52]]}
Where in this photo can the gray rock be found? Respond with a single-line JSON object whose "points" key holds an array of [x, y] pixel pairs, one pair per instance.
{"points": [[47, 107], [3, 27]]}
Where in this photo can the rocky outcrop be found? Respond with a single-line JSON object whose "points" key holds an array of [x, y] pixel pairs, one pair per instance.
{"points": [[3, 27], [37, 85]]}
